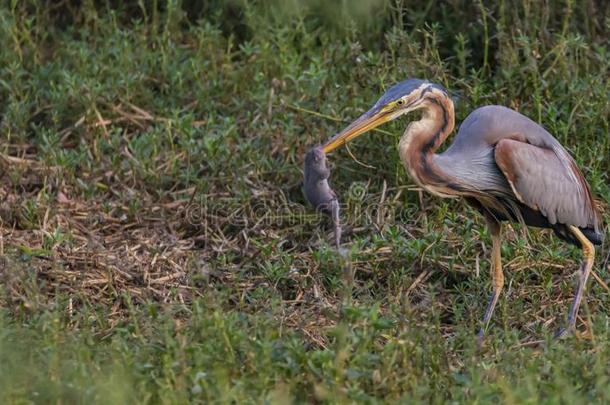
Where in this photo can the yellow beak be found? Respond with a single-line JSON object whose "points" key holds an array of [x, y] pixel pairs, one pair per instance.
{"points": [[367, 121]]}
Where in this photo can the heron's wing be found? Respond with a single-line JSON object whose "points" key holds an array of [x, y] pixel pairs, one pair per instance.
{"points": [[541, 180]]}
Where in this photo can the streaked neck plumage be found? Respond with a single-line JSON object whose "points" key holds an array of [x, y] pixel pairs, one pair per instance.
{"points": [[422, 138]]}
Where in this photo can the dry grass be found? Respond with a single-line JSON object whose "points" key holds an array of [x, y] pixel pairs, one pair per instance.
{"points": [[156, 247]]}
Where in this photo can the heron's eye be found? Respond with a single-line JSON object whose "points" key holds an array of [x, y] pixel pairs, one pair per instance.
{"points": [[400, 102]]}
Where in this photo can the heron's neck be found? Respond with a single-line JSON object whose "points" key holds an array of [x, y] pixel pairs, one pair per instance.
{"points": [[422, 138]]}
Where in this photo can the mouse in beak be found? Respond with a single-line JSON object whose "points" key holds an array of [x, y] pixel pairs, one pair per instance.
{"points": [[318, 191]]}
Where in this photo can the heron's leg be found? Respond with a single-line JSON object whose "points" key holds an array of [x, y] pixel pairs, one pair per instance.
{"points": [[583, 274], [497, 276]]}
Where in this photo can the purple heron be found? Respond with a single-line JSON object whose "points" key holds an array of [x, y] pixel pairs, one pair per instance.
{"points": [[501, 162]]}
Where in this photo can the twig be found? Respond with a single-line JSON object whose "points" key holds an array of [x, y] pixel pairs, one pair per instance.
{"points": [[418, 280], [600, 281], [356, 160], [329, 117]]}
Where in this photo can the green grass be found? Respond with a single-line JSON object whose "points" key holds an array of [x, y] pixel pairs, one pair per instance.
{"points": [[156, 246]]}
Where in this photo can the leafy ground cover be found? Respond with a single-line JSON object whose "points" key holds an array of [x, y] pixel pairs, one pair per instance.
{"points": [[156, 246]]}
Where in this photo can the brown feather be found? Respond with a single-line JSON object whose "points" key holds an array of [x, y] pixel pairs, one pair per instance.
{"points": [[539, 180]]}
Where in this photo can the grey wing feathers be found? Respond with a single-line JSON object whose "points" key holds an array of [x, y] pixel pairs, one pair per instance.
{"points": [[494, 123], [541, 180]]}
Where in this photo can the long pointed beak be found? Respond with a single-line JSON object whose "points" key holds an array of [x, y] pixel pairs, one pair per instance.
{"points": [[367, 121]]}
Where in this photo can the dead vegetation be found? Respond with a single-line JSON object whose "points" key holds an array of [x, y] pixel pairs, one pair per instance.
{"points": [[98, 252], [153, 224]]}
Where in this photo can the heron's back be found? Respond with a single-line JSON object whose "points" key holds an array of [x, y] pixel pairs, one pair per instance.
{"points": [[489, 124], [548, 182]]}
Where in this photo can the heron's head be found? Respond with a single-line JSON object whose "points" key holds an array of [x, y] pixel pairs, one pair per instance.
{"points": [[400, 99]]}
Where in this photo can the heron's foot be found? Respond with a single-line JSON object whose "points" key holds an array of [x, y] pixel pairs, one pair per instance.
{"points": [[564, 332]]}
